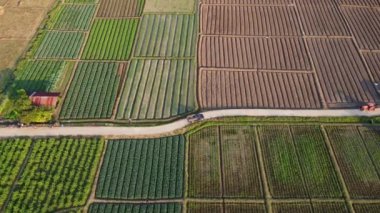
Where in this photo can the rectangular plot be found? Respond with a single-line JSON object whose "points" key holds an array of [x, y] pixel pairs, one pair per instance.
{"points": [[365, 25], [253, 53], [240, 163], [281, 164], [167, 36], [204, 207], [135, 208], [204, 164], [71, 17], [258, 2], [321, 18], [252, 89], [291, 208], [249, 20], [243, 208], [55, 44], [342, 74], [111, 39], [355, 163], [371, 137], [359, 2], [366, 207], [169, 6], [158, 89], [330, 207], [319, 173], [120, 8], [92, 93], [373, 61], [143, 169]]}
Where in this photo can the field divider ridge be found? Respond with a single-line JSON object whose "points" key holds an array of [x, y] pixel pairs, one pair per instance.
{"points": [[221, 168]]}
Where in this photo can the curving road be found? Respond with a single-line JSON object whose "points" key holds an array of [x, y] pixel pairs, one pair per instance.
{"points": [[176, 125]]}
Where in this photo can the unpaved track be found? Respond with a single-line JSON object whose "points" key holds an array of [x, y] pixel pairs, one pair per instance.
{"points": [[176, 125]]}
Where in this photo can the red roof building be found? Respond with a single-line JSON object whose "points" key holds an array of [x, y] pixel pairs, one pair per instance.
{"points": [[45, 99]]}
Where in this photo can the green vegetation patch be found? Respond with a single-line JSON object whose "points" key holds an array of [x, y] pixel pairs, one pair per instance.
{"points": [[204, 207], [169, 6], [56, 44], [71, 17], [59, 174], [244, 207], [12, 155], [322, 207], [136, 208], [92, 93], [143, 169], [292, 208], [158, 89], [167, 36], [355, 162], [366, 207], [111, 39], [42, 76]]}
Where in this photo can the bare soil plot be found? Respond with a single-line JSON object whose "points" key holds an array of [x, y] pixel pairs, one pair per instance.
{"points": [[258, 2], [365, 25], [204, 207], [321, 18], [249, 20], [244, 208], [120, 8], [342, 74], [204, 166], [158, 89], [30, 3], [373, 61], [253, 53], [366, 208], [256, 89], [167, 36], [359, 2], [169, 6], [356, 164], [240, 163], [9, 51]]}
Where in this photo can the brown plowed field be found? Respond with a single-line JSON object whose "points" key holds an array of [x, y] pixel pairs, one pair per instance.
{"points": [[373, 62], [249, 20], [365, 25], [257, 89], [342, 74], [322, 19], [253, 53], [262, 2], [359, 2], [120, 8]]}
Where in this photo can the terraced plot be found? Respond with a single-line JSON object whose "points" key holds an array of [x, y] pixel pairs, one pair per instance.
{"points": [[342, 74], [111, 39], [272, 53], [56, 44], [357, 165], [169, 6], [120, 8], [252, 89], [249, 20], [136, 208], [92, 93], [365, 25], [167, 36], [42, 76], [58, 175], [158, 89], [143, 169], [373, 61], [13, 153], [71, 17]]}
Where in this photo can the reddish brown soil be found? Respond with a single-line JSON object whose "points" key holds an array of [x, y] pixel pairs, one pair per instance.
{"points": [[373, 62], [119, 8], [261, 2], [359, 2]]}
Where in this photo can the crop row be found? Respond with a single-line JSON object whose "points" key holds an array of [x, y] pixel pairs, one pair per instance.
{"points": [[136, 208], [142, 169], [71, 17], [93, 91]]}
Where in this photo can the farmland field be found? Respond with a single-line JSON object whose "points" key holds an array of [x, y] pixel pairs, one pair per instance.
{"points": [[143, 169], [93, 91], [136, 208], [367, 208], [71, 17], [204, 207], [158, 89], [58, 174], [169, 6], [111, 39], [120, 8]]}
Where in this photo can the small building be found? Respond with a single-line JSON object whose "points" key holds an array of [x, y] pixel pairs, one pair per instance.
{"points": [[45, 99]]}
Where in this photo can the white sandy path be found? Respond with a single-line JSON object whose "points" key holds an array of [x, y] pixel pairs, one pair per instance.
{"points": [[176, 125]]}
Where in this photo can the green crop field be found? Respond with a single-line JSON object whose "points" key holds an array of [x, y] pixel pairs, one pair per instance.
{"points": [[158, 89], [204, 207], [63, 45], [93, 91], [136, 208], [111, 39], [71, 17], [12, 155], [143, 169], [367, 207], [42, 76], [167, 36], [244, 207], [58, 174]]}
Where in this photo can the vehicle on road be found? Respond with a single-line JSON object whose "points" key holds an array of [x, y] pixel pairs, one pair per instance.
{"points": [[195, 118]]}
